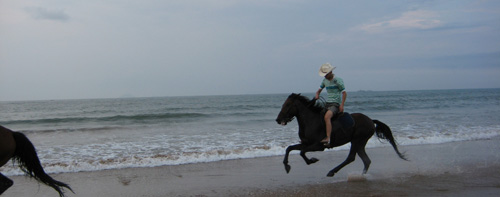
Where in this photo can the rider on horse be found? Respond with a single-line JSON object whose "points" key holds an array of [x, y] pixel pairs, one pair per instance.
{"points": [[336, 97]]}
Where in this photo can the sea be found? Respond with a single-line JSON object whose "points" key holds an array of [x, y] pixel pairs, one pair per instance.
{"points": [[100, 134]]}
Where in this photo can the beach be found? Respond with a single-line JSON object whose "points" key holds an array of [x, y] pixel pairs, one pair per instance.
{"points": [[463, 168], [232, 146]]}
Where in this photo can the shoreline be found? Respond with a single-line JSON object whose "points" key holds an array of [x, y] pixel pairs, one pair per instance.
{"points": [[455, 168]]}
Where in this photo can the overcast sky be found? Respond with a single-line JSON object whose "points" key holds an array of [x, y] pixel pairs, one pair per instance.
{"points": [[60, 49]]}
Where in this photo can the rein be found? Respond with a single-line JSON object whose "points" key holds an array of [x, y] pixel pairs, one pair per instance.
{"points": [[322, 101]]}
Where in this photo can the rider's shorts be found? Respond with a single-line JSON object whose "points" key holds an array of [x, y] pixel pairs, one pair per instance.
{"points": [[334, 107]]}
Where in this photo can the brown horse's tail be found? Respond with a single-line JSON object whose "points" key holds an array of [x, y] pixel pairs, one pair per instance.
{"points": [[27, 159], [384, 132]]}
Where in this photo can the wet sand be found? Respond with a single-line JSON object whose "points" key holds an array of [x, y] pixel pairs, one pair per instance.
{"points": [[469, 168]]}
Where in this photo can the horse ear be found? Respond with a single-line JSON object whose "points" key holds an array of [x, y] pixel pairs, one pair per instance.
{"points": [[293, 95]]}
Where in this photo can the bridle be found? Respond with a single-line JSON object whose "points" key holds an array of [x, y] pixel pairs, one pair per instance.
{"points": [[289, 117]]}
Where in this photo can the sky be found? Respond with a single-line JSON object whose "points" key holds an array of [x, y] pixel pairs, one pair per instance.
{"points": [[60, 49]]}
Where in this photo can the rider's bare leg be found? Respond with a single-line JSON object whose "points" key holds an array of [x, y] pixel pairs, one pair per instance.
{"points": [[328, 123]]}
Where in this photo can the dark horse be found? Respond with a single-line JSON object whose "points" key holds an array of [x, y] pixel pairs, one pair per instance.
{"points": [[312, 131], [17, 146]]}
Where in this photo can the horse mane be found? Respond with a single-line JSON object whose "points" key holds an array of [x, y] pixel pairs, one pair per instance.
{"points": [[315, 107]]}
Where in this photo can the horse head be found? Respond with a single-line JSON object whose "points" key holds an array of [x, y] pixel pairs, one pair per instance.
{"points": [[288, 110]]}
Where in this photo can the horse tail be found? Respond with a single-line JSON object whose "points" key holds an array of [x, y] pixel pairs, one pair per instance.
{"points": [[384, 132], [27, 159]]}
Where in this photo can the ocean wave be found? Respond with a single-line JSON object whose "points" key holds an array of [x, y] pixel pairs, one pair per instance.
{"points": [[117, 118], [96, 162], [90, 129], [104, 163]]}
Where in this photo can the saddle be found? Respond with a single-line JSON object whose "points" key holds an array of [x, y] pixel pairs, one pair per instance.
{"points": [[340, 120], [341, 123], [345, 119]]}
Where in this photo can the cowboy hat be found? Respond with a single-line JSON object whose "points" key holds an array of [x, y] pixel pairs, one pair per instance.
{"points": [[325, 69]]}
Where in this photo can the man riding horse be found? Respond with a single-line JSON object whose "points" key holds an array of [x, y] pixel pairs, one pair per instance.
{"points": [[336, 97]]}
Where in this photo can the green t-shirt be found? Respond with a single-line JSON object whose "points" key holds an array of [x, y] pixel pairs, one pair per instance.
{"points": [[334, 89]]}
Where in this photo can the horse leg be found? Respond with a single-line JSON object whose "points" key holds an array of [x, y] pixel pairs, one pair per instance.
{"points": [[350, 158], [366, 160], [288, 150], [314, 147], [5, 183]]}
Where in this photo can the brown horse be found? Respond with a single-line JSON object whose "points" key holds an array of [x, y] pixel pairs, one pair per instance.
{"points": [[16, 145], [312, 131]]}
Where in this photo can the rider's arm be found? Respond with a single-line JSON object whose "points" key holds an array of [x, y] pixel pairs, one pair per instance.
{"points": [[344, 96], [317, 93]]}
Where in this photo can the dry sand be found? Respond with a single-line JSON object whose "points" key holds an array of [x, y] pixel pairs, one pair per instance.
{"points": [[469, 168]]}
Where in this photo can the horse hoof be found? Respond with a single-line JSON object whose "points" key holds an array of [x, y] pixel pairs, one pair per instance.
{"points": [[330, 174], [312, 160], [287, 168]]}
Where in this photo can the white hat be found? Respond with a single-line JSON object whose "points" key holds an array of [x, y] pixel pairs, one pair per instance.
{"points": [[325, 69]]}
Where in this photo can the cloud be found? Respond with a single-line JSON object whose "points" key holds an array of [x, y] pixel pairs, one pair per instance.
{"points": [[47, 14], [419, 19]]}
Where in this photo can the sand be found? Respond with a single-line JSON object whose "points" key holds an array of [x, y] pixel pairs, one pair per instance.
{"points": [[470, 168]]}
